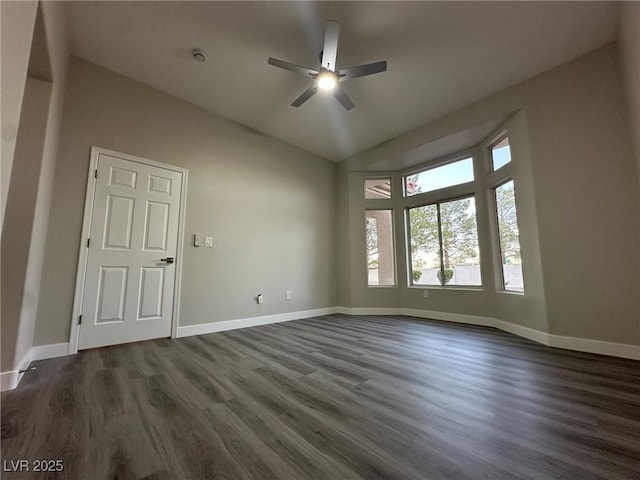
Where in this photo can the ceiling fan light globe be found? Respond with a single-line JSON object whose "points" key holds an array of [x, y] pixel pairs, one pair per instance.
{"points": [[327, 81]]}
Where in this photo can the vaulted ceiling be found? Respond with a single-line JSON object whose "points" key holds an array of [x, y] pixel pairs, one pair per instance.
{"points": [[441, 56]]}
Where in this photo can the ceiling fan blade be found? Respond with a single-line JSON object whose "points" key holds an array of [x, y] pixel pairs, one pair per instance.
{"points": [[343, 98], [330, 50], [305, 72], [306, 95], [362, 70]]}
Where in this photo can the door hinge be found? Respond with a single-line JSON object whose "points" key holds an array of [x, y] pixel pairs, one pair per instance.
{"points": [[80, 320], [88, 242], [95, 174]]}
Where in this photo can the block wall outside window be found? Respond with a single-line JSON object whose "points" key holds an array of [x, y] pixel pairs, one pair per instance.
{"points": [[377, 188]]}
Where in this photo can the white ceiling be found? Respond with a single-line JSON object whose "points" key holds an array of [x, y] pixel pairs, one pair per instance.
{"points": [[441, 56]]}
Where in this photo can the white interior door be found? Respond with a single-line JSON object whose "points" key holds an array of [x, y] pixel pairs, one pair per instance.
{"points": [[133, 238]]}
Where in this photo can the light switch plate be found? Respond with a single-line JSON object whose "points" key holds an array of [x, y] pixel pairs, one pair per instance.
{"points": [[208, 241], [197, 239]]}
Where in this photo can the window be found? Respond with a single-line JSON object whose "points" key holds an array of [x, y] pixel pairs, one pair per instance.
{"points": [[444, 244], [454, 173], [500, 154], [439, 201], [509, 237], [380, 250], [377, 188]]}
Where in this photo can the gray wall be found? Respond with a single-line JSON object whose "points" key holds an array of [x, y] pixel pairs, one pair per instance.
{"points": [[269, 206], [580, 213]]}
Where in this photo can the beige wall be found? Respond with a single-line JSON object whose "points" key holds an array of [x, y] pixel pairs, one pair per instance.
{"points": [[269, 206], [580, 241], [24, 235], [587, 196], [18, 226], [343, 236], [16, 31], [629, 40]]}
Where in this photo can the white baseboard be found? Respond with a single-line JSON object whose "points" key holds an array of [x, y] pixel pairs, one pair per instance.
{"points": [[204, 328], [368, 311], [519, 330], [42, 352], [621, 350], [449, 317], [10, 380]]}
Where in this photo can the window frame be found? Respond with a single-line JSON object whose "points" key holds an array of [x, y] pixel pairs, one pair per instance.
{"points": [[437, 203], [436, 163], [496, 140], [495, 179], [441, 195], [501, 286]]}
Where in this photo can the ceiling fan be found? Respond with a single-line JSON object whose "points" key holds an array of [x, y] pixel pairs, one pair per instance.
{"points": [[328, 78]]}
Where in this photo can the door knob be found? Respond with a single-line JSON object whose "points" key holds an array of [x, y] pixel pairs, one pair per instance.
{"points": [[167, 260]]}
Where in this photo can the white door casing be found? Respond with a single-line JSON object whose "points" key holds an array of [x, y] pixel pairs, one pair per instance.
{"points": [[133, 227]]}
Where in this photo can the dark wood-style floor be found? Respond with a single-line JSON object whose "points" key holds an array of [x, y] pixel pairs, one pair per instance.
{"points": [[332, 398]]}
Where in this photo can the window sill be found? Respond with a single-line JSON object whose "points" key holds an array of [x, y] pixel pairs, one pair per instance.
{"points": [[511, 292], [463, 288]]}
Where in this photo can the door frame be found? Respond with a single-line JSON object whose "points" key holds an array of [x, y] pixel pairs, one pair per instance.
{"points": [[83, 255]]}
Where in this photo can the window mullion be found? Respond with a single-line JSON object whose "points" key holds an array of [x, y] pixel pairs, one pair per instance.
{"points": [[442, 277]]}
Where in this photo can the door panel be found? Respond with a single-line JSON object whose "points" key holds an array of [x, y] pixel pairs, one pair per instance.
{"points": [[113, 286], [123, 177], [155, 233], [128, 293], [119, 222], [159, 184], [151, 292]]}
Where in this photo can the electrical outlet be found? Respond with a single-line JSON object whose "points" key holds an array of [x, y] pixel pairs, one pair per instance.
{"points": [[287, 295], [425, 293], [208, 242], [259, 298]]}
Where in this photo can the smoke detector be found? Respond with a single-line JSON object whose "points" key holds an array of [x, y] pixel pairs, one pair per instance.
{"points": [[199, 55]]}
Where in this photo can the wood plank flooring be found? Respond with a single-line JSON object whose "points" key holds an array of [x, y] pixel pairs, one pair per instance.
{"points": [[333, 398]]}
